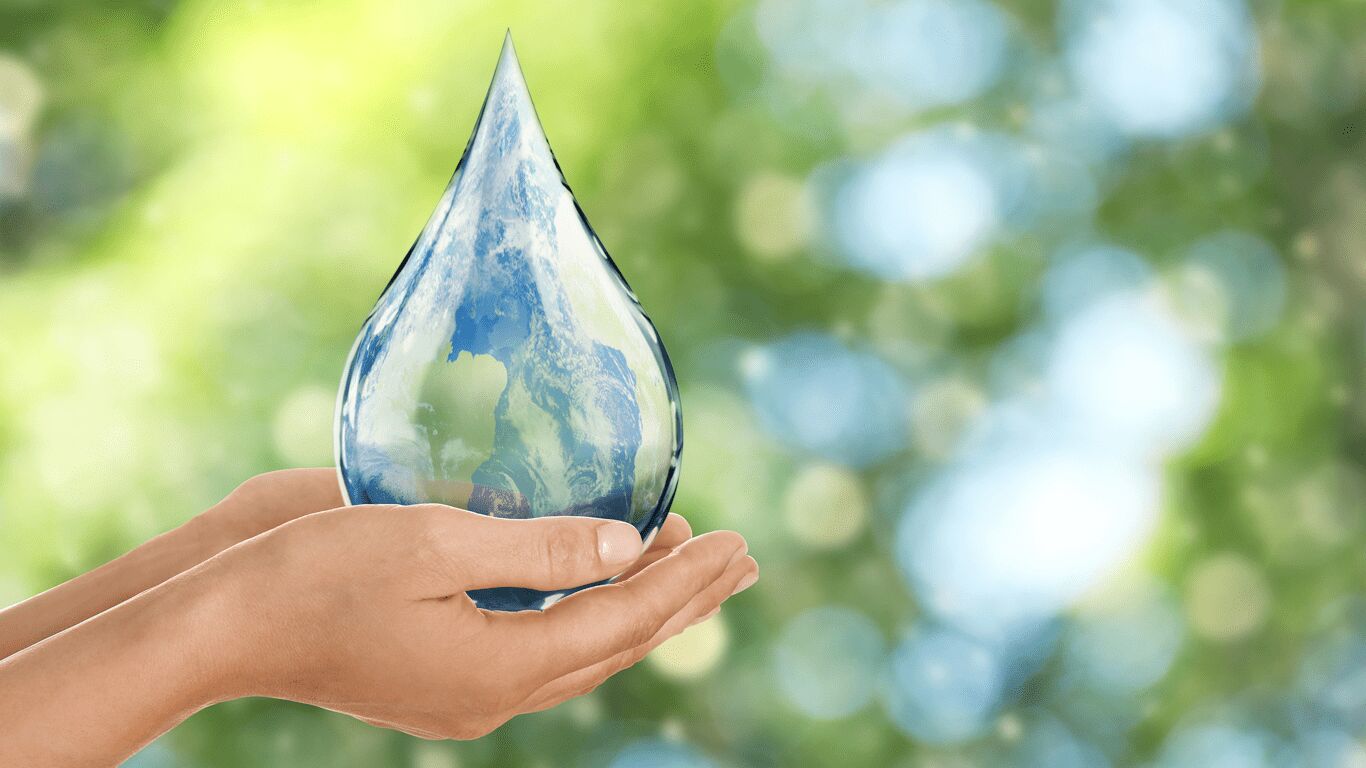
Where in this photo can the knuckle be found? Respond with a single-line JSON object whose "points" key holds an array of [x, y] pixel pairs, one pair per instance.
{"points": [[430, 541], [426, 530], [639, 632], [252, 485], [565, 551]]}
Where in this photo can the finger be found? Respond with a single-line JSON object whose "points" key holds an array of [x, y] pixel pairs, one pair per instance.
{"points": [[411, 731], [596, 624], [646, 560], [478, 552], [736, 578], [675, 531]]}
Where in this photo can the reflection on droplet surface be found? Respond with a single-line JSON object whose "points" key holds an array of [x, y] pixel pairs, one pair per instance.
{"points": [[507, 368]]}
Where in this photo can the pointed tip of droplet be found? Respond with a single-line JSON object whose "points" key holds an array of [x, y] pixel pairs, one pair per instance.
{"points": [[509, 53], [509, 69], [508, 103]]}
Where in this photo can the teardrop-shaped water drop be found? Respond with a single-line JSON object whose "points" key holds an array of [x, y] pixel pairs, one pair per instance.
{"points": [[507, 368]]}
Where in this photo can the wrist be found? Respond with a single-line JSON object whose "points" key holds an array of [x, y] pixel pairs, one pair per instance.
{"points": [[191, 621], [154, 660], [245, 632], [92, 593], [225, 608]]}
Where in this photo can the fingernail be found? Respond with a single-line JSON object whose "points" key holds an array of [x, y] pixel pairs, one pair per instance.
{"points": [[746, 583], [618, 543]]}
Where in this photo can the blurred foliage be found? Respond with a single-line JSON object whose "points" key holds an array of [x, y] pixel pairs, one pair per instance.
{"points": [[199, 202]]}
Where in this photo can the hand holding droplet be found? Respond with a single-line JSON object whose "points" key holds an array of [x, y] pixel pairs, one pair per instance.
{"points": [[359, 609], [403, 647]]}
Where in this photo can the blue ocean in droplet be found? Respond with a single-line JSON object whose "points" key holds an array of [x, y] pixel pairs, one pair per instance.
{"points": [[507, 368]]}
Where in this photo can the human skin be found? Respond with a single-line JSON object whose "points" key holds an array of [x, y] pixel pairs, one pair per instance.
{"points": [[356, 609]]}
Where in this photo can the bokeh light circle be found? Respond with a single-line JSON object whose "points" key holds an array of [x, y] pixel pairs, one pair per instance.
{"points": [[1227, 598], [816, 395], [1162, 68], [1231, 286], [1081, 275], [656, 753], [1128, 377], [21, 96], [915, 53], [1039, 739], [942, 412], [943, 686], [825, 506], [1226, 746], [302, 427], [774, 215], [1125, 639], [826, 661], [922, 209], [694, 652], [1010, 537]]}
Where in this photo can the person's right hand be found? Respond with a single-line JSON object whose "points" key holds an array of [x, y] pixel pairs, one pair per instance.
{"points": [[363, 610]]}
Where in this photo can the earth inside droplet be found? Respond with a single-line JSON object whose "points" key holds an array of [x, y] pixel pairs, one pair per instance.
{"points": [[507, 368]]}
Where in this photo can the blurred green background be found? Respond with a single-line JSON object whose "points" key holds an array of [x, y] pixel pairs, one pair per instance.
{"points": [[1023, 340]]}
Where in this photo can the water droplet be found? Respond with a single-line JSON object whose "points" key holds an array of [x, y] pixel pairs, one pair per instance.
{"points": [[507, 368]]}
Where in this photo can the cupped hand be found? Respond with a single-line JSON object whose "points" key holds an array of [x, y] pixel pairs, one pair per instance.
{"points": [[257, 505], [271, 499], [363, 610]]}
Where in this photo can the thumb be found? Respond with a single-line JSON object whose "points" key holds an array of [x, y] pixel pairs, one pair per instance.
{"points": [[539, 553]]}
